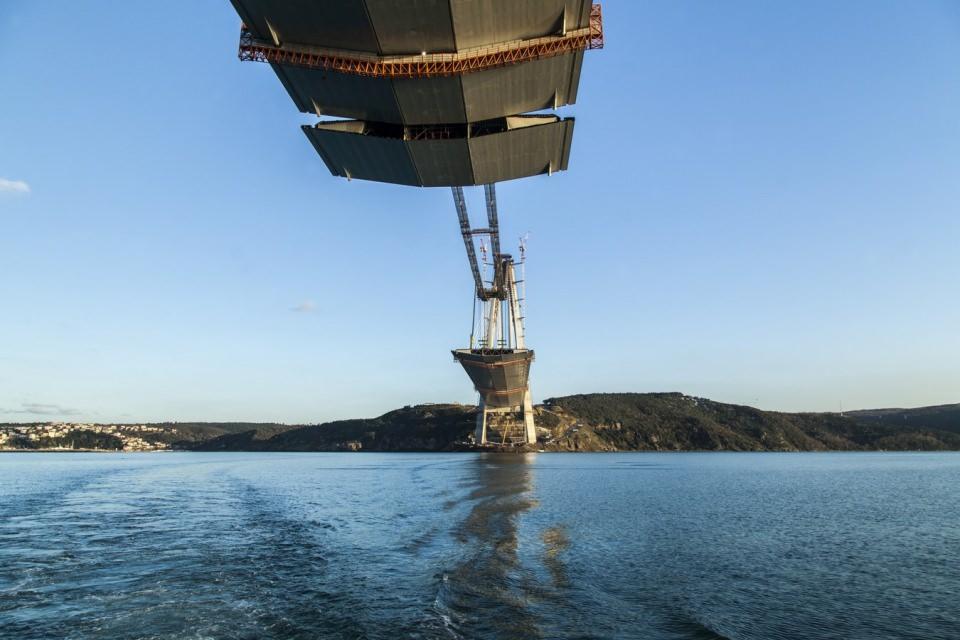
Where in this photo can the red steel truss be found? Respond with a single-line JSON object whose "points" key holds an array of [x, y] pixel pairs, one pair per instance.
{"points": [[427, 65]]}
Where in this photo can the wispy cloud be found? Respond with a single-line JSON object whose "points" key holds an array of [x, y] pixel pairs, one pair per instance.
{"points": [[41, 409], [13, 186], [307, 306]]}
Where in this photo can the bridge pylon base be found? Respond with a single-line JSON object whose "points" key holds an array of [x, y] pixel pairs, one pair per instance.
{"points": [[506, 426]]}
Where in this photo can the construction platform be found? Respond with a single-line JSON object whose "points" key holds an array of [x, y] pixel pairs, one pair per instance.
{"points": [[398, 27], [495, 92], [501, 377], [444, 155]]}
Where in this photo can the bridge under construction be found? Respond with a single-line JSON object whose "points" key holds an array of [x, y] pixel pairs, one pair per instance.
{"points": [[442, 93]]}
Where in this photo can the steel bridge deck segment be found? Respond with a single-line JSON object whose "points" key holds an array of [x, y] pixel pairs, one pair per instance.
{"points": [[427, 65]]}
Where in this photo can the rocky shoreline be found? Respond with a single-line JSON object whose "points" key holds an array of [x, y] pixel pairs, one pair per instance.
{"points": [[589, 422]]}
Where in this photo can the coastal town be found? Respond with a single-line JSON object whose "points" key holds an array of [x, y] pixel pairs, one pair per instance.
{"points": [[82, 436]]}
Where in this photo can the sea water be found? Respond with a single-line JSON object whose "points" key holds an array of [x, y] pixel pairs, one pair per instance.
{"points": [[363, 545]]}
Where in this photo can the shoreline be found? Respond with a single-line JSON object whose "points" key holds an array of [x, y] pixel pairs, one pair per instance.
{"points": [[88, 450], [494, 451]]}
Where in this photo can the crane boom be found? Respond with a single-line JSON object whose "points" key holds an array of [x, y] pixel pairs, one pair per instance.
{"points": [[491, 196], [467, 233], [492, 230]]}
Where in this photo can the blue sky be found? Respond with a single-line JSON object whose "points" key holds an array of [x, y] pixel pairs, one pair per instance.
{"points": [[761, 208]]}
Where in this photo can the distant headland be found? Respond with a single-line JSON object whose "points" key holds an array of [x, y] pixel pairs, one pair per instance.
{"points": [[589, 422]]}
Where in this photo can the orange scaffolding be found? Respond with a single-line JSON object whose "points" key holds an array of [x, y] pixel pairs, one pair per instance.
{"points": [[426, 65]]}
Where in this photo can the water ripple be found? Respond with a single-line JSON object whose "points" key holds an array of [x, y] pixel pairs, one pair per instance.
{"points": [[671, 547]]}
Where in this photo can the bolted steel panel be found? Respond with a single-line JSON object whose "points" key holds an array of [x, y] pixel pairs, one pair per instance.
{"points": [[401, 27], [532, 145]]}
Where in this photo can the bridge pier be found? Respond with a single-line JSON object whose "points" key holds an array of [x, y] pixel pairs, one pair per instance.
{"points": [[514, 425]]}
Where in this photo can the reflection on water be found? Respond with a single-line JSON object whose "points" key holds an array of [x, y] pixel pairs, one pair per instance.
{"points": [[447, 546], [485, 594], [556, 541]]}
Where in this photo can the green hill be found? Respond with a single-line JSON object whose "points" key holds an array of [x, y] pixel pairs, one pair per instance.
{"points": [[588, 422], [676, 422], [620, 422], [940, 418]]}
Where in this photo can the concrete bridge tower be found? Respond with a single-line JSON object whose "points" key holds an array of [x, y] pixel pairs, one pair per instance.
{"points": [[498, 362]]}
